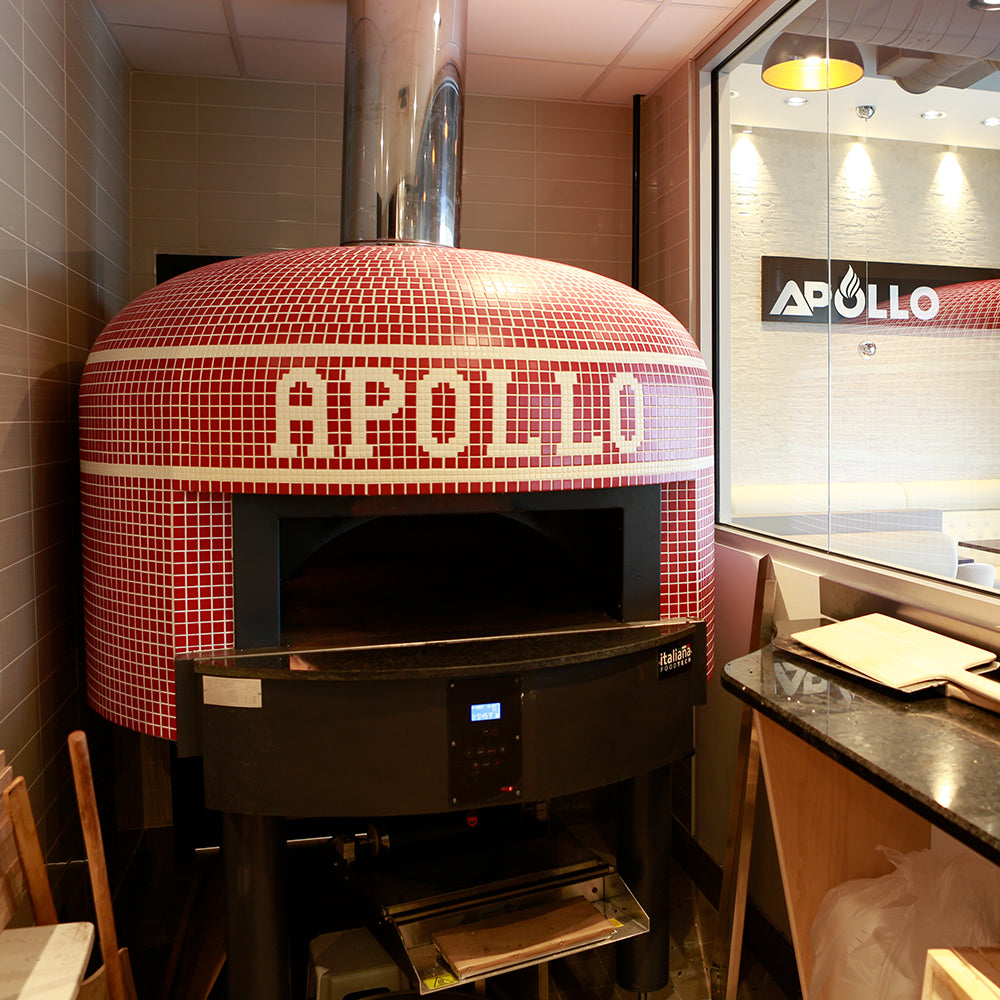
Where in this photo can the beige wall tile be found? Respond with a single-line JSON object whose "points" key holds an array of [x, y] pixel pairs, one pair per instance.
{"points": [[243, 237], [263, 207], [498, 190], [571, 248], [17, 631], [259, 94], [329, 127], [522, 243], [583, 142], [587, 223], [164, 146], [160, 116], [583, 195], [171, 204], [168, 235], [500, 110], [64, 204], [19, 678], [256, 149], [160, 87], [157, 174], [11, 139], [15, 539], [490, 135], [498, 163], [585, 117], [329, 99], [608, 169], [15, 447], [282, 123], [497, 217], [252, 178], [14, 391]]}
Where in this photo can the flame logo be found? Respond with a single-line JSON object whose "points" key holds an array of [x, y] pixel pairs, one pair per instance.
{"points": [[850, 285]]}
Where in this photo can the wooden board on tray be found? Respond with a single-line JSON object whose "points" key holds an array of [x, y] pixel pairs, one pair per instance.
{"points": [[488, 945], [902, 656]]}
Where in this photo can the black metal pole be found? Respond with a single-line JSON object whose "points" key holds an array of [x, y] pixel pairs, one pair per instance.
{"points": [[642, 964], [636, 153], [257, 952]]}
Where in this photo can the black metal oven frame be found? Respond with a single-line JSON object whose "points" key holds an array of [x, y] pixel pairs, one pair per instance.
{"points": [[289, 755]]}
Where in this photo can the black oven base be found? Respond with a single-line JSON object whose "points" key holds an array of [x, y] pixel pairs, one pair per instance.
{"points": [[329, 745], [334, 743]]}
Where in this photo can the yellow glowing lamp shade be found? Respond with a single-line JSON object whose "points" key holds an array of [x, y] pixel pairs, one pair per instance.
{"points": [[799, 62]]}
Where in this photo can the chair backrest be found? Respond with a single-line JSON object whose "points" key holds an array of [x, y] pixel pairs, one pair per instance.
{"points": [[22, 865], [116, 971], [13, 890], [24, 876]]}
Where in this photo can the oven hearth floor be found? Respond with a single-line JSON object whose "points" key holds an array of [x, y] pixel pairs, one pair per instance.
{"points": [[153, 900]]}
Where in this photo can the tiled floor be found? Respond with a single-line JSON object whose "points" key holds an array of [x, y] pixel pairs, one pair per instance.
{"points": [[155, 907]]}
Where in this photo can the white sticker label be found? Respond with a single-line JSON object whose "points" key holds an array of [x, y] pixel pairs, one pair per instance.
{"points": [[231, 692]]}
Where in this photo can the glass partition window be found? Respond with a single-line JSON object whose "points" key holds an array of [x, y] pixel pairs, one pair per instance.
{"points": [[858, 296]]}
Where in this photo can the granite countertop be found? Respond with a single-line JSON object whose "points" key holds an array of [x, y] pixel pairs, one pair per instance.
{"points": [[502, 654], [939, 756]]}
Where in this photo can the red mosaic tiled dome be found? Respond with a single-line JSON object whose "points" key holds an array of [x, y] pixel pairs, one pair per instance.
{"points": [[364, 369], [949, 309], [318, 364]]}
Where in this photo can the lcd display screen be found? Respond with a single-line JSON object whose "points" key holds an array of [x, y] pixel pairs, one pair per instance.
{"points": [[486, 712]]}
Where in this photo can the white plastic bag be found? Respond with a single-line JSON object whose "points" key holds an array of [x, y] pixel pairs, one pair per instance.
{"points": [[870, 936]]}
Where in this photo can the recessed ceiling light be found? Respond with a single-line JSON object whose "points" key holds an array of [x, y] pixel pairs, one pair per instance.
{"points": [[991, 122], [931, 116], [796, 102], [984, 4]]}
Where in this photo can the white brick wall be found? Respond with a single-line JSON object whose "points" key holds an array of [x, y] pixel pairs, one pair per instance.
{"points": [[924, 407]]}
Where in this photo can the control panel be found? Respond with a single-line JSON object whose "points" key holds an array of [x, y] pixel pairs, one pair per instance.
{"points": [[484, 740]]}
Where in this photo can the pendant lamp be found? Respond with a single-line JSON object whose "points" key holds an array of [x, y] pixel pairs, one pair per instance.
{"points": [[801, 62]]}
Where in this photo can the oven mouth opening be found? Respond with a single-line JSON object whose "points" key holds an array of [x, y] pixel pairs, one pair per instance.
{"points": [[426, 577], [330, 571]]}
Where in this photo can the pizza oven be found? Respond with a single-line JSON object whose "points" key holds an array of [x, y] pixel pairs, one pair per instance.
{"points": [[347, 509]]}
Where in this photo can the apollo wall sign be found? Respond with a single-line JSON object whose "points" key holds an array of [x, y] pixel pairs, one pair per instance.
{"points": [[811, 290]]}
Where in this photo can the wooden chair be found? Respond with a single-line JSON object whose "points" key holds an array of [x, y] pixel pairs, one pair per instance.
{"points": [[113, 980]]}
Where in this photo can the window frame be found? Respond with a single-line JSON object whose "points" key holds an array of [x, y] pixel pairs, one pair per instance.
{"points": [[931, 596]]}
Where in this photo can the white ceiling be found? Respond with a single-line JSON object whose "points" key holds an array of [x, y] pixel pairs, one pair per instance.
{"points": [[581, 50]]}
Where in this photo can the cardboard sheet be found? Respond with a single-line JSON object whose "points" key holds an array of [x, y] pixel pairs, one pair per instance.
{"points": [[489, 945]]}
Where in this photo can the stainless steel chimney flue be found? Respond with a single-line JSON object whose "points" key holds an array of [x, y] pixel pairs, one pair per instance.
{"points": [[403, 105]]}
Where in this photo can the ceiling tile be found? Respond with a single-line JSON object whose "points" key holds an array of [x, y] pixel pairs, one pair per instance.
{"points": [[619, 85], [306, 20], [283, 59], [533, 78], [181, 15], [581, 31], [550, 49], [185, 53], [677, 32]]}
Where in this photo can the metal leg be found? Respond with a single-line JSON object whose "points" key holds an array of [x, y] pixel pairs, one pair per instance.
{"points": [[642, 964], [257, 959]]}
